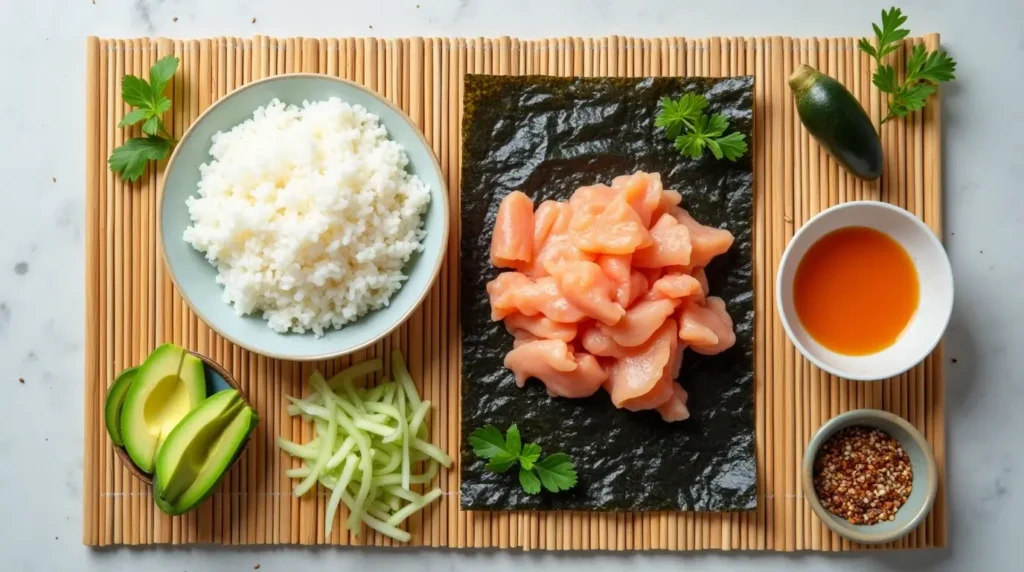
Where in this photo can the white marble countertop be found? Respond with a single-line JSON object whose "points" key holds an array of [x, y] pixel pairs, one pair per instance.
{"points": [[41, 263]]}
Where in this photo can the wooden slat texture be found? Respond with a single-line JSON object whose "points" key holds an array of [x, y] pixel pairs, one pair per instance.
{"points": [[131, 305]]}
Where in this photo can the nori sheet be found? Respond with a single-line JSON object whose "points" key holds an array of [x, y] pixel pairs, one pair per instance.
{"points": [[546, 136]]}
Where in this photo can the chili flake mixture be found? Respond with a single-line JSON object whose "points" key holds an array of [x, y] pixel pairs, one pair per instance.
{"points": [[863, 475]]}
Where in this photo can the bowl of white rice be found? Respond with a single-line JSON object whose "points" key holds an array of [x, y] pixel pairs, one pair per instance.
{"points": [[303, 217]]}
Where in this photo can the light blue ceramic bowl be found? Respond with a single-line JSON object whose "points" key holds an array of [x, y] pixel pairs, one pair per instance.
{"points": [[922, 461], [195, 277]]}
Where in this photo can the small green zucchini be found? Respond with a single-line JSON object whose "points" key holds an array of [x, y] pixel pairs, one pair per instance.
{"points": [[834, 117]]}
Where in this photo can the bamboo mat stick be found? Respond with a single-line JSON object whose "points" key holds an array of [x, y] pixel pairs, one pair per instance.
{"points": [[775, 223], [439, 140], [120, 296], [93, 385], [417, 351], [457, 517], [890, 193], [149, 245], [103, 497], [192, 338], [922, 415], [812, 189], [449, 389], [131, 287], [819, 172], [432, 353], [803, 371], [901, 200], [142, 320], [755, 523], [933, 151], [804, 382], [912, 379], [123, 504], [785, 104], [112, 469], [132, 266]]}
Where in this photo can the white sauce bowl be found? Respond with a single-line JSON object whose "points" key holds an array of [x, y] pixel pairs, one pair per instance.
{"points": [[934, 274]]}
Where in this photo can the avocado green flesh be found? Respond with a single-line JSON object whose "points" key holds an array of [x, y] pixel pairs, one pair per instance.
{"points": [[168, 385], [838, 121], [115, 399], [186, 450], [199, 452]]}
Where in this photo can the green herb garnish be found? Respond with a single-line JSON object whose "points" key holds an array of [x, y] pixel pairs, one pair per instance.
{"points": [[554, 472], [693, 131], [925, 70], [129, 160]]}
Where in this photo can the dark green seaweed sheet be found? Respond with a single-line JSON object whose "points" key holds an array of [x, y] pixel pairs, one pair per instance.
{"points": [[546, 136]]}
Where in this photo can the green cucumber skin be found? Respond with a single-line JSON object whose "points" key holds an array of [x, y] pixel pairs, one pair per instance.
{"points": [[838, 122]]}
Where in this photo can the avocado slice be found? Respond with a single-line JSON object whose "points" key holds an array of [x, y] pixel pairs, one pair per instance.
{"points": [[115, 399], [168, 385], [185, 452], [199, 451]]}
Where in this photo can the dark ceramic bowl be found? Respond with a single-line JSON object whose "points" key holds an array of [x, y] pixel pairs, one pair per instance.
{"points": [[217, 379]]}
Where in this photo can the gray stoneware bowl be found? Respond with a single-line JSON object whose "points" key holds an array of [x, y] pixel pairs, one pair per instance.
{"points": [[194, 277], [925, 483]]}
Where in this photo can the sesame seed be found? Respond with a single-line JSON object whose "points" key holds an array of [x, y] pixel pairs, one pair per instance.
{"points": [[863, 475]]}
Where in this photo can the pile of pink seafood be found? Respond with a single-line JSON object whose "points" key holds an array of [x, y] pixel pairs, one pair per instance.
{"points": [[607, 290]]}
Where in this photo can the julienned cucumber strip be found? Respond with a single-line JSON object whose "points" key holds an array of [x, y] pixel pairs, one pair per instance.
{"points": [[367, 441]]}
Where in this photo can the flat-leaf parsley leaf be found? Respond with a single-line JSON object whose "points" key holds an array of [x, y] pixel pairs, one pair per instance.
{"points": [[693, 131], [555, 472], [129, 160], [925, 70]]}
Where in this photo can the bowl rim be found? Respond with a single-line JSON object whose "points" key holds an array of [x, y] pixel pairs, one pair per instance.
{"points": [[787, 260], [134, 469], [885, 418], [445, 227]]}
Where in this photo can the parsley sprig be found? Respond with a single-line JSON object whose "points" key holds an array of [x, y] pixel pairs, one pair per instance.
{"points": [[554, 472], [129, 160], [925, 70], [693, 131]]}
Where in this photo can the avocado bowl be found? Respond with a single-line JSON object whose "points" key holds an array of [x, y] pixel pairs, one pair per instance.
{"points": [[217, 380]]}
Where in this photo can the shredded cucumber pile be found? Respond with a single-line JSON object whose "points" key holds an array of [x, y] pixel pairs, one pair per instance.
{"points": [[367, 441]]}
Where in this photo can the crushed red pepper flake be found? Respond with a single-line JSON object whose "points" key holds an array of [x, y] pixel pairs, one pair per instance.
{"points": [[863, 475]]}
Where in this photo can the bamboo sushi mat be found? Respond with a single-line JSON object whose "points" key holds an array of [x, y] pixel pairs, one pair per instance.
{"points": [[131, 305]]}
